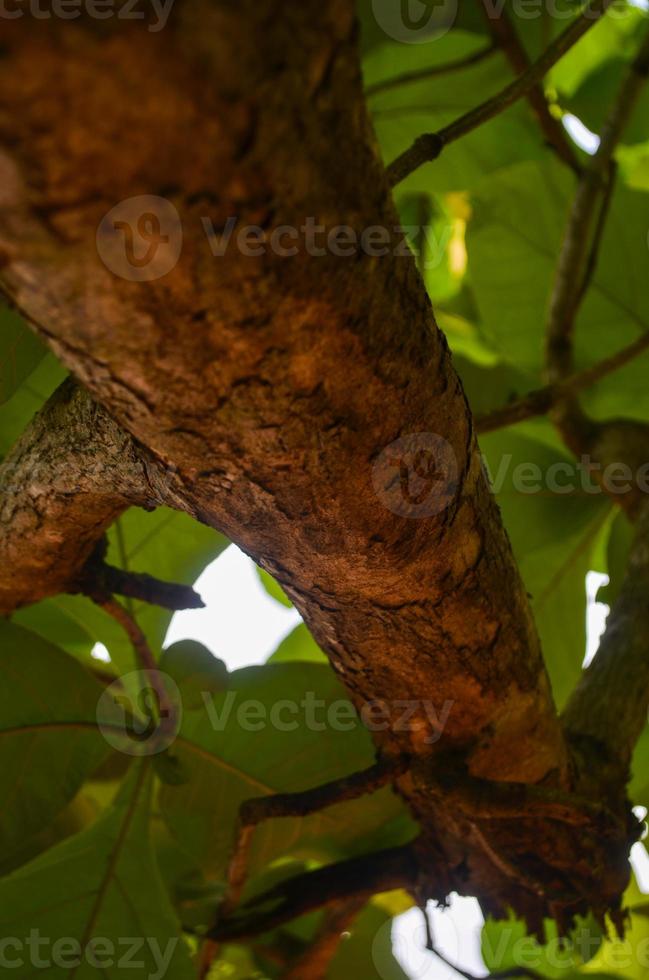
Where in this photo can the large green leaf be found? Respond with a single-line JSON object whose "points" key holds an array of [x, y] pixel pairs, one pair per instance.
{"points": [[280, 728], [90, 893], [49, 740]]}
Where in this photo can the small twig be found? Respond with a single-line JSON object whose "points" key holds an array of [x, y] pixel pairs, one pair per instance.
{"points": [[166, 709], [504, 33], [574, 259], [578, 256], [255, 811], [309, 801], [434, 71], [541, 400], [593, 257], [360, 876], [97, 578], [430, 145]]}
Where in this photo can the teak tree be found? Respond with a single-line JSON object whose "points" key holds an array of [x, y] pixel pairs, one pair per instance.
{"points": [[302, 402]]}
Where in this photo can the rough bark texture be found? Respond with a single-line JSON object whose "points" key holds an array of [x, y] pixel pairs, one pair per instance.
{"points": [[270, 386], [66, 481]]}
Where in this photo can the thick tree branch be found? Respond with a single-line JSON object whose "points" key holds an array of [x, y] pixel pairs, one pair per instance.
{"points": [[504, 34], [429, 146]]}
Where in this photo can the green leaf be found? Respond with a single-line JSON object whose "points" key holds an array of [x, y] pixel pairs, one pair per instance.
{"points": [[366, 949], [507, 945], [554, 536], [273, 588], [20, 352], [29, 398], [195, 669], [279, 728], [298, 645], [513, 241], [94, 890], [401, 114], [49, 740]]}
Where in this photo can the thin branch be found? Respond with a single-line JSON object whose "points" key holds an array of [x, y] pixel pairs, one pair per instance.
{"points": [[255, 811], [166, 709], [578, 256], [362, 876], [541, 400], [593, 256], [97, 578], [574, 263], [434, 71], [504, 34], [309, 801], [430, 145]]}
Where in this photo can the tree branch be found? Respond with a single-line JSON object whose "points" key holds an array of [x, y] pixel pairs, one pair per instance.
{"points": [[66, 481], [429, 146], [574, 265], [254, 811], [504, 34], [540, 401], [609, 707], [615, 441], [434, 71], [98, 578], [357, 877]]}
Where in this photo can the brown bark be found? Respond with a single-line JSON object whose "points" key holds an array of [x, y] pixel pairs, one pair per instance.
{"points": [[66, 481], [269, 386]]}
